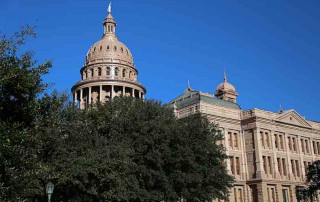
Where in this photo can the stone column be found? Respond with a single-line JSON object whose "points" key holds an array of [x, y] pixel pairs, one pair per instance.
{"points": [[112, 91], [290, 174], [243, 159], [139, 94], [227, 149], [259, 161], [132, 92], [300, 157], [100, 94], [75, 99], [124, 91], [81, 98], [89, 95], [275, 162]]}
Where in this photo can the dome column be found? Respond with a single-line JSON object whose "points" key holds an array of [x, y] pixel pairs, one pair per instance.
{"points": [[100, 94], [112, 92], [81, 99], [75, 99], [89, 101]]}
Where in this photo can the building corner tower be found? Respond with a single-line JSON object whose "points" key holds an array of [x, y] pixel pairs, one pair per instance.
{"points": [[108, 71]]}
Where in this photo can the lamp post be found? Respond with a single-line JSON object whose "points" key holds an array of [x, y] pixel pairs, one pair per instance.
{"points": [[49, 190]]}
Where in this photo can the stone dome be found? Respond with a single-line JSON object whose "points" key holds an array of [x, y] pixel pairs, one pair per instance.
{"points": [[109, 48], [225, 86]]}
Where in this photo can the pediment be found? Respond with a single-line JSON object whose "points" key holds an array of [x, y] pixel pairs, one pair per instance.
{"points": [[293, 118]]}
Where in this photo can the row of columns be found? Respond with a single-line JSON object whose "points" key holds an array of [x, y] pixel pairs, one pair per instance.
{"points": [[112, 94]]}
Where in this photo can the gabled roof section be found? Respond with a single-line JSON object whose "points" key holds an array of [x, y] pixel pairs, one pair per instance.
{"points": [[292, 117], [190, 97]]}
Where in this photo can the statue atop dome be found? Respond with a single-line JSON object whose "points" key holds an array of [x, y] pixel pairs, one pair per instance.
{"points": [[109, 8]]}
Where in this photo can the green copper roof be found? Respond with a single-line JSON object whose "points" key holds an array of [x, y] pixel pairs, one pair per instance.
{"points": [[192, 97]]}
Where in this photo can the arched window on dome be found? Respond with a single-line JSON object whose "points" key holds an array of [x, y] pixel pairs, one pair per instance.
{"points": [[121, 49], [108, 71], [124, 73], [86, 72], [92, 72], [116, 71], [108, 47], [94, 49], [127, 52], [99, 71], [130, 74], [115, 48], [108, 28], [100, 48]]}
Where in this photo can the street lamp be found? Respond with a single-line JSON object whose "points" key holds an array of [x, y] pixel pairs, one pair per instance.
{"points": [[49, 190]]}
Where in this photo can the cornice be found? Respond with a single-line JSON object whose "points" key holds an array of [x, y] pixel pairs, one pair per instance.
{"points": [[83, 82]]}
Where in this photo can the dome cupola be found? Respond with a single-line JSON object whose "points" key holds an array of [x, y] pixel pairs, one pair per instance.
{"points": [[226, 91]]}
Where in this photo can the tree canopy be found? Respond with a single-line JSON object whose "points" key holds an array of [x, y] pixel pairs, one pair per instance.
{"points": [[125, 150], [309, 192]]}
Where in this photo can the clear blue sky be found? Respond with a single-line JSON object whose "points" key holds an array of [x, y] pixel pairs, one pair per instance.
{"points": [[269, 49]]}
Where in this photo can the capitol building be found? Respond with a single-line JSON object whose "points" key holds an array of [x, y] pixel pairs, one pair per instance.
{"points": [[269, 151]]}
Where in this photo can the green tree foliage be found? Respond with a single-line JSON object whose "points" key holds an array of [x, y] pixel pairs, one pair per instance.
{"points": [[134, 150], [310, 192], [125, 150], [21, 87]]}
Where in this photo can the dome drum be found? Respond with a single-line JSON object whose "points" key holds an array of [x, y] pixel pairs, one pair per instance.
{"points": [[91, 93]]}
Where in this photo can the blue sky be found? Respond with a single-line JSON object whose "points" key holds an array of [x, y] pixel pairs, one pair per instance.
{"points": [[269, 49]]}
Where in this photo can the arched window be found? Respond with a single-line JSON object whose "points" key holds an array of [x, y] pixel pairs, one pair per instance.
{"points": [[123, 73], [108, 47], [108, 28], [94, 49], [92, 71], [115, 48], [86, 74], [116, 71], [99, 71], [130, 74], [108, 71], [100, 47], [121, 49]]}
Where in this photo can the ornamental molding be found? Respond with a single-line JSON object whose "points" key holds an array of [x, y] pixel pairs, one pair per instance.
{"points": [[83, 82]]}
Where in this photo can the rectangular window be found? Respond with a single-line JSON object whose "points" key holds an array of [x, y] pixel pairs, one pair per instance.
{"points": [[279, 166], [302, 145], [238, 165], [293, 168], [307, 146], [235, 140], [232, 165], [281, 141], [264, 164], [267, 140], [270, 164], [289, 144], [297, 168], [294, 144], [285, 195], [229, 139], [276, 140], [262, 139], [284, 167]]}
